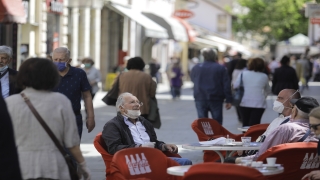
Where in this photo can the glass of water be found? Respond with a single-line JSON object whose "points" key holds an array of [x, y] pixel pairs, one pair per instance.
{"points": [[246, 141]]}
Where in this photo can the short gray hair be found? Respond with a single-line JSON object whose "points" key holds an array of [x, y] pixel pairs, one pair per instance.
{"points": [[64, 50], [120, 100], [6, 50], [302, 114], [209, 54]]}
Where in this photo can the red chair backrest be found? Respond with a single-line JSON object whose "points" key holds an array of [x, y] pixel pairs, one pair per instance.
{"points": [[207, 128], [209, 171], [297, 159], [101, 147], [133, 163], [256, 130]]}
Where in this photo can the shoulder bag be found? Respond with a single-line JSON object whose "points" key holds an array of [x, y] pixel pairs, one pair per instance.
{"points": [[112, 95], [238, 93], [72, 169]]}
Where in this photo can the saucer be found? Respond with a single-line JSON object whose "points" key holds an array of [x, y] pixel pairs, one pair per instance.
{"points": [[271, 167]]}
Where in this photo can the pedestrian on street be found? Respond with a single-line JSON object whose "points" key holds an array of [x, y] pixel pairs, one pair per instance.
{"points": [[93, 75], [9, 163], [256, 89], [7, 75], [74, 84], [139, 83], [38, 155], [176, 79], [154, 69], [284, 77], [211, 86]]}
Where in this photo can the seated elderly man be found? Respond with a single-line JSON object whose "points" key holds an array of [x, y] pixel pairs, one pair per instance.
{"points": [[282, 106], [128, 129], [314, 120], [297, 130]]}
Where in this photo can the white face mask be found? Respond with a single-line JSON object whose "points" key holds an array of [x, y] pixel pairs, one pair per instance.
{"points": [[2, 69], [278, 106], [134, 114]]}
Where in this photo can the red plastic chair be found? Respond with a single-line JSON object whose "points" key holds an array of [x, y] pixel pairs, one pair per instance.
{"points": [[142, 162], [209, 171], [255, 131], [101, 147], [297, 159], [206, 129]]}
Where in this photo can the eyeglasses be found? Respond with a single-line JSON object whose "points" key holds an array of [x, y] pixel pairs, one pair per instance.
{"points": [[314, 126], [136, 102]]}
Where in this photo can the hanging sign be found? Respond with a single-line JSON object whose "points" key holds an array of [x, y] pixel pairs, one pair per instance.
{"points": [[183, 14]]}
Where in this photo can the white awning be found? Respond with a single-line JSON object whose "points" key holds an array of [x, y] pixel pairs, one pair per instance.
{"points": [[151, 28], [209, 43], [174, 28]]}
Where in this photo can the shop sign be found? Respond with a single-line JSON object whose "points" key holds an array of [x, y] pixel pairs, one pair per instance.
{"points": [[312, 10], [315, 20], [183, 14], [55, 6]]}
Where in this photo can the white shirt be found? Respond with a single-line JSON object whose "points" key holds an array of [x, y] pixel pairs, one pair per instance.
{"points": [[274, 124], [138, 131], [5, 85], [256, 89]]}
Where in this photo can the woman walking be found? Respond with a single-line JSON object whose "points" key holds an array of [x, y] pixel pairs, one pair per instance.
{"points": [[256, 89], [38, 156]]}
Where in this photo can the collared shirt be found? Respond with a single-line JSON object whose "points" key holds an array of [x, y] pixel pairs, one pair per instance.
{"points": [[289, 132], [72, 84], [274, 124], [138, 131], [5, 88]]}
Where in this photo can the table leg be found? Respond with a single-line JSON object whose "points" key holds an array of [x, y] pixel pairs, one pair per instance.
{"points": [[230, 154], [221, 157]]}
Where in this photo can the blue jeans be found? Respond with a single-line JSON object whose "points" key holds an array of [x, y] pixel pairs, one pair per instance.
{"points": [[182, 161], [215, 108]]}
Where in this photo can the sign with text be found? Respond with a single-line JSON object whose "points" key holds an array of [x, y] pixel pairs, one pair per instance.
{"points": [[55, 6], [183, 14], [312, 10], [315, 20]]}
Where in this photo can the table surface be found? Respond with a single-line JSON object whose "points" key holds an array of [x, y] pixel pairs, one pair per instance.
{"points": [[220, 147], [180, 170]]}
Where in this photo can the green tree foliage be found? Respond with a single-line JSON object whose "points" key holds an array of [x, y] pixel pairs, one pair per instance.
{"points": [[277, 20]]}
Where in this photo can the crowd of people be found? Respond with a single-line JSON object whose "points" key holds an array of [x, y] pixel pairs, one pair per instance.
{"points": [[55, 89]]}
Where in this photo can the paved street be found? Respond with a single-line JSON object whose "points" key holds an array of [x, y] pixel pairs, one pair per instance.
{"points": [[176, 117]]}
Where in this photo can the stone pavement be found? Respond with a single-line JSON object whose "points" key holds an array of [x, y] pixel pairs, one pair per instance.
{"points": [[176, 118]]}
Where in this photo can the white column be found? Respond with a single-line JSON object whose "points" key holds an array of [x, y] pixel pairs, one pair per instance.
{"points": [[95, 36], [74, 36], [132, 38], [125, 38], [84, 33], [63, 36]]}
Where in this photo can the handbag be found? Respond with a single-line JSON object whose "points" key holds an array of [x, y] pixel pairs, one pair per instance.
{"points": [[238, 93], [67, 157], [112, 95]]}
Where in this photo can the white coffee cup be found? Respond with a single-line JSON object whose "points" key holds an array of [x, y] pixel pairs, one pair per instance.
{"points": [[229, 141], [271, 161]]}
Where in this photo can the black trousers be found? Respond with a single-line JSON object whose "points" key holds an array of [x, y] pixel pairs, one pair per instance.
{"points": [[251, 116]]}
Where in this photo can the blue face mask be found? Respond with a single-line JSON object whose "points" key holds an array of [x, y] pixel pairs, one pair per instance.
{"points": [[61, 65]]}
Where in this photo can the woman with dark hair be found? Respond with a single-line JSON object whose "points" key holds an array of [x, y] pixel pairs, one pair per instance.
{"points": [[285, 77], [239, 68], [176, 79], [140, 84], [256, 89], [38, 155]]}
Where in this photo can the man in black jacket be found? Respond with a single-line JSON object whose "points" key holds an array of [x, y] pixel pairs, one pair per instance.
{"points": [[7, 75], [9, 163], [128, 129]]}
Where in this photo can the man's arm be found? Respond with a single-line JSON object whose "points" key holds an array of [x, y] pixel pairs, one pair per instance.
{"points": [[153, 88], [87, 98], [112, 138], [227, 89]]}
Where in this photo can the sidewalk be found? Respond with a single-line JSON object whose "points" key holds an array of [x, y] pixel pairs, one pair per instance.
{"points": [[176, 118]]}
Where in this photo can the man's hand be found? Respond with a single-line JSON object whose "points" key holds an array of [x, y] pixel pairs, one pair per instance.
{"points": [[228, 106], [313, 175], [90, 124], [171, 148], [238, 160]]}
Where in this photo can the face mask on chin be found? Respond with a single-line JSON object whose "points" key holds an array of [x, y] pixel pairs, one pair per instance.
{"points": [[133, 114], [2, 69]]}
